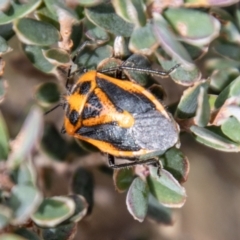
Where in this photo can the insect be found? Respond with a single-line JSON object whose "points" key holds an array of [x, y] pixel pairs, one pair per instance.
{"points": [[120, 118]]}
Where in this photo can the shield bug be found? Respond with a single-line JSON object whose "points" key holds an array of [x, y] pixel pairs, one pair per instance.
{"points": [[121, 118]]}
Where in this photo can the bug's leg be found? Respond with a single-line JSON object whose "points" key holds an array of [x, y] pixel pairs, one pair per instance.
{"points": [[142, 70], [151, 161]]}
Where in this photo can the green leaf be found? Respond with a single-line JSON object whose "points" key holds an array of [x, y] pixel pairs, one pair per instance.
{"points": [[62, 232], [232, 90], [177, 164], [83, 184], [143, 40], [123, 178], [59, 9], [193, 26], [187, 106], [81, 208], [47, 94], [105, 17], [220, 63], [227, 50], [159, 213], [18, 10], [220, 78], [25, 174], [54, 211], [4, 139], [57, 56], [95, 33], [27, 138], [203, 109], [43, 14], [212, 138], [180, 75], [35, 55], [4, 48], [131, 11], [231, 128], [23, 232], [6, 31], [137, 199], [166, 189], [90, 58], [33, 32], [89, 3], [24, 200], [169, 42], [53, 144]]}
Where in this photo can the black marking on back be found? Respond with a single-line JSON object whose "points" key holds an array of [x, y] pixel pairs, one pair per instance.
{"points": [[93, 107], [84, 87], [111, 133], [73, 117], [129, 101]]}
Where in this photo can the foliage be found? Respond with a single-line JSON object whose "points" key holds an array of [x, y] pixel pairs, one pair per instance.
{"points": [[203, 37]]}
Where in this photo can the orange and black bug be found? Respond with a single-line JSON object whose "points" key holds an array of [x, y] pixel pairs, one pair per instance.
{"points": [[121, 118]]}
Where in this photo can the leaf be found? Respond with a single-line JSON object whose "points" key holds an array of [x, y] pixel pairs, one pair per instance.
{"points": [[123, 178], [54, 211], [83, 184], [137, 199], [220, 78], [188, 104], [33, 32], [24, 200], [232, 90], [35, 55], [57, 57], [193, 26], [166, 189], [62, 232], [169, 42], [231, 128], [105, 17], [23, 232], [177, 164], [143, 40], [27, 138], [47, 93], [203, 109], [18, 10], [212, 138], [131, 11], [159, 213], [180, 75]]}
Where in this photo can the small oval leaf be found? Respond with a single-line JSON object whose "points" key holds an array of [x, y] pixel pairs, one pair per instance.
{"points": [[137, 199], [104, 16], [166, 189], [31, 31], [53, 211]]}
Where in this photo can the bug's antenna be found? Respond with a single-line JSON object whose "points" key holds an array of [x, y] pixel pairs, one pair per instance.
{"points": [[58, 105]]}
